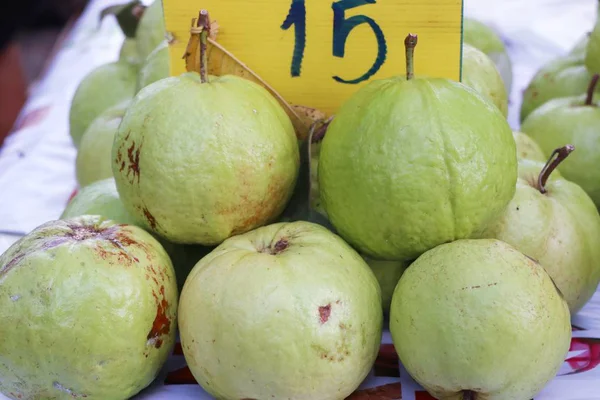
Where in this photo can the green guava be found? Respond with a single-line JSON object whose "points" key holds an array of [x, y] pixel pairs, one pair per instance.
{"points": [[151, 29], [94, 156], [476, 319], [88, 309], [527, 148], [486, 39], [388, 274], [99, 198], [103, 87], [156, 66], [480, 73], [129, 52], [581, 46], [573, 120], [592, 53], [555, 222], [562, 77], [202, 161], [406, 165], [287, 294]]}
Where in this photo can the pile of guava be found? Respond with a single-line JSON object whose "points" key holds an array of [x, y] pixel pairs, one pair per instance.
{"points": [[204, 214]]}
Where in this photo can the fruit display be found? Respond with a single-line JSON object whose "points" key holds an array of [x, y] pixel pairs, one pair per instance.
{"points": [[222, 236]]}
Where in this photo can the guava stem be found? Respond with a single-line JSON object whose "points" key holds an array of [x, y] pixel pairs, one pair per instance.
{"points": [[561, 154], [469, 395], [204, 23], [409, 44], [591, 89]]}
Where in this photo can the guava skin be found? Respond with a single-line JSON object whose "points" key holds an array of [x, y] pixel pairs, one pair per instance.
{"points": [[156, 66], [562, 77], [592, 53], [88, 310], [580, 46], [388, 274], [527, 148], [405, 166], [226, 147], [568, 120], [481, 36], [560, 229], [151, 29], [103, 87], [479, 316], [129, 52], [100, 198], [284, 294], [94, 157], [480, 73]]}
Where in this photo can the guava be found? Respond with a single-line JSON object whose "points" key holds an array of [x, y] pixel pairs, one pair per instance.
{"points": [[104, 87], [388, 274], [555, 222], [150, 29], [592, 51], [156, 66], [573, 120], [286, 294], [88, 310], [477, 319], [129, 52], [486, 39], [406, 165], [561, 77], [580, 46], [201, 161], [480, 73], [527, 148], [99, 198], [94, 156]]}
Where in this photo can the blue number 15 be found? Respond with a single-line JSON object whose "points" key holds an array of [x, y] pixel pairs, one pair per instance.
{"points": [[342, 27]]}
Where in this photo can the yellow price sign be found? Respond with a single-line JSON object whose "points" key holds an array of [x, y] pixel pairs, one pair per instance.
{"points": [[317, 53]]}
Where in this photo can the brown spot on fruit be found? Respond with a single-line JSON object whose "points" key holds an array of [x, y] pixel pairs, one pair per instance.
{"points": [[162, 324], [150, 218], [133, 154], [324, 313], [280, 246]]}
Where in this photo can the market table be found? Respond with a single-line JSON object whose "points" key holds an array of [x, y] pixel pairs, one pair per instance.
{"points": [[37, 173]]}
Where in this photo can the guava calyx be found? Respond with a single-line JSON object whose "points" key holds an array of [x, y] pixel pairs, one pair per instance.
{"points": [[589, 100], [410, 42], [557, 156], [279, 247], [469, 395]]}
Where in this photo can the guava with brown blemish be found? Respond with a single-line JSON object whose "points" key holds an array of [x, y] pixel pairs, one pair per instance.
{"points": [[478, 320], [202, 158], [284, 294], [88, 309], [555, 222]]}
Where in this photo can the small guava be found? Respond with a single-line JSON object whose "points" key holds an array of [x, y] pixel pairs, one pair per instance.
{"points": [[477, 319], [287, 294], [486, 39], [88, 311], [555, 222], [156, 66], [527, 148], [201, 161], [406, 165], [388, 273], [151, 29], [99, 198], [104, 87], [480, 73], [94, 156]]}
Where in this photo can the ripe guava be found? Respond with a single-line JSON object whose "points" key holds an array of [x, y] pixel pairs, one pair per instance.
{"points": [[151, 29], [406, 165], [527, 148], [88, 309], [486, 39], [388, 274], [202, 161], [476, 319], [94, 156], [562, 77], [287, 294], [555, 222], [156, 66], [573, 120], [480, 73], [99, 198], [103, 87]]}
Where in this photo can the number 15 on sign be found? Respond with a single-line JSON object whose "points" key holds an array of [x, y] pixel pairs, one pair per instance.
{"points": [[318, 52]]}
